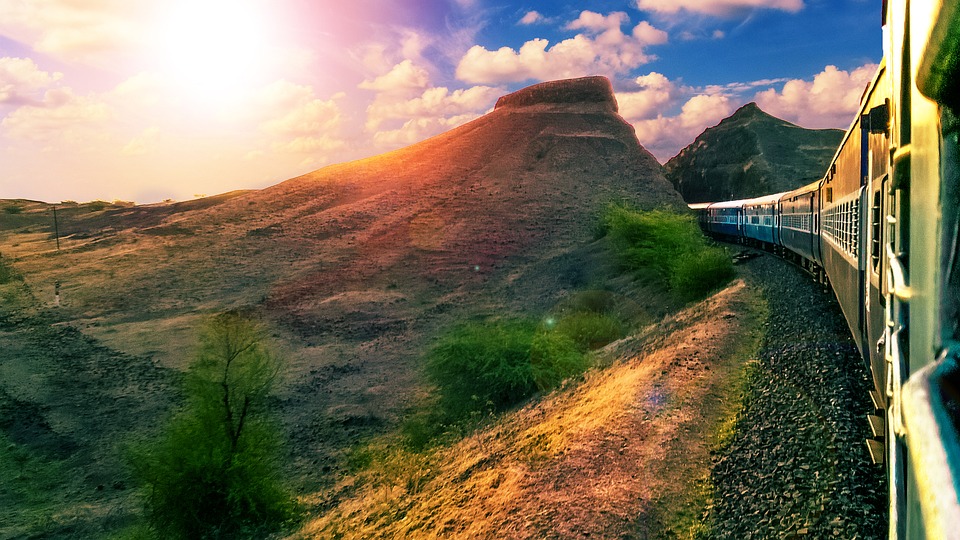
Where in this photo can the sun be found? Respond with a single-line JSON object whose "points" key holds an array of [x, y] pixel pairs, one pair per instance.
{"points": [[214, 51]]}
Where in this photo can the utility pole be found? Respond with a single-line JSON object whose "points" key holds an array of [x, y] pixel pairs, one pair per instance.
{"points": [[56, 227], [56, 233]]}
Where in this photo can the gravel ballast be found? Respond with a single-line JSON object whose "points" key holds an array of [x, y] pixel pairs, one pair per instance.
{"points": [[797, 466]]}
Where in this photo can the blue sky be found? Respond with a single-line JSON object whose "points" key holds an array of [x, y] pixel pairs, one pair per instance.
{"points": [[155, 99]]}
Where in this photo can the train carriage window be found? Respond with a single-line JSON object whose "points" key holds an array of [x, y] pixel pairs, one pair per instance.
{"points": [[875, 228], [829, 194]]}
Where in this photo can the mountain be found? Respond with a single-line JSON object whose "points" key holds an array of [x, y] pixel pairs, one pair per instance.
{"points": [[749, 154], [355, 268]]}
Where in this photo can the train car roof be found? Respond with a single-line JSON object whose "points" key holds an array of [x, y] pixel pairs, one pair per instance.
{"points": [[813, 186], [699, 205], [729, 204], [766, 199]]}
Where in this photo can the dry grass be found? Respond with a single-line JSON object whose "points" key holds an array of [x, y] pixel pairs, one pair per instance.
{"points": [[624, 450]]}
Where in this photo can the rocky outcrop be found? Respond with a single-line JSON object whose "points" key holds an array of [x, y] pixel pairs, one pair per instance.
{"points": [[749, 154], [581, 92]]}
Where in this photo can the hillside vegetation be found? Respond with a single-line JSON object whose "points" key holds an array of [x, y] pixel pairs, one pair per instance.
{"points": [[624, 452], [751, 154], [356, 270]]}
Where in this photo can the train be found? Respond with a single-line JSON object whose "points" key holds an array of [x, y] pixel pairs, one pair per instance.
{"points": [[882, 229]]}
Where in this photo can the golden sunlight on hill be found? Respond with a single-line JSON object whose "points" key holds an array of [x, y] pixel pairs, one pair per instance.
{"points": [[620, 453]]}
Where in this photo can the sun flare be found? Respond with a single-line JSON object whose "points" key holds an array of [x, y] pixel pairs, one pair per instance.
{"points": [[214, 50]]}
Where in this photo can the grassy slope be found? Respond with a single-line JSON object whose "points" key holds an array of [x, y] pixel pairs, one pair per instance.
{"points": [[355, 266], [566, 465], [67, 403]]}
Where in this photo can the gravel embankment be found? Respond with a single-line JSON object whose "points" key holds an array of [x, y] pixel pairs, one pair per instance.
{"points": [[798, 466]]}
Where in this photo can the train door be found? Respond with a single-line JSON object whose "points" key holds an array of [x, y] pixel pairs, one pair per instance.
{"points": [[875, 305], [863, 228], [815, 227], [876, 130]]}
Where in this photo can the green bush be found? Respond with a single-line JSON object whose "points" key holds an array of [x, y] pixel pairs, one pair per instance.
{"points": [[667, 247], [214, 471], [483, 367], [554, 357], [7, 272], [589, 330], [696, 274], [593, 300]]}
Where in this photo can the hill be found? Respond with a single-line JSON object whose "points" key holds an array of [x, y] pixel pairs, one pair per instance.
{"points": [[749, 154], [354, 267]]}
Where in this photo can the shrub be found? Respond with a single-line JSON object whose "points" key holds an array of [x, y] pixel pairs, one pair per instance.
{"points": [[214, 471], [482, 365], [554, 357], [7, 272], [589, 330], [491, 366], [595, 301], [667, 247], [696, 274]]}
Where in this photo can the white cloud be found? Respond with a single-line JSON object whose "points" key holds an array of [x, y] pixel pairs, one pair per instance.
{"points": [[830, 100], [590, 20], [407, 108], [438, 103], [71, 29], [296, 121], [655, 94], [719, 8], [532, 17], [740, 87], [648, 35], [402, 78], [60, 115], [664, 136], [602, 48], [20, 79], [660, 132], [142, 143]]}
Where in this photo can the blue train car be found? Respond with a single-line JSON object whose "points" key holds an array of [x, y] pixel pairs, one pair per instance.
{"points": [[700, 211], [800, 222], [726, 219], [761, 220]]}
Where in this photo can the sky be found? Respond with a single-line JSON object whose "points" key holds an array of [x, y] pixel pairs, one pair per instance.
{"points": [[149, 100]]}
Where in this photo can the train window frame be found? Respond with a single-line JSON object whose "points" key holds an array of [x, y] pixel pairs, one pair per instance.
{"points": [[876, 228]]}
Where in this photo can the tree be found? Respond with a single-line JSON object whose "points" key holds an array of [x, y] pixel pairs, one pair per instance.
{"points": [[214, 471]]}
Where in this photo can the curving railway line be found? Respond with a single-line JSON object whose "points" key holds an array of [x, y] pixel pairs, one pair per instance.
{"points": [[882, 228]]}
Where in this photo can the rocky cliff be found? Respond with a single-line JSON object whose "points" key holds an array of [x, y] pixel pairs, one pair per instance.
{"points": [[749, 154]]}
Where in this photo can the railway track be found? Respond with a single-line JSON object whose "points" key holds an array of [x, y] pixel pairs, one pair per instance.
{"points": [[797, 466]]}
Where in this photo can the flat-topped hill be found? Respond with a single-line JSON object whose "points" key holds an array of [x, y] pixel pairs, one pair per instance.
{"points": [[580, 92], [355, 268]]}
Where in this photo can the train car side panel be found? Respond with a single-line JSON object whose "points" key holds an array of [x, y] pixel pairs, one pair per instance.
{"points": [[797, 218], [760, 219], [726, 219]]}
